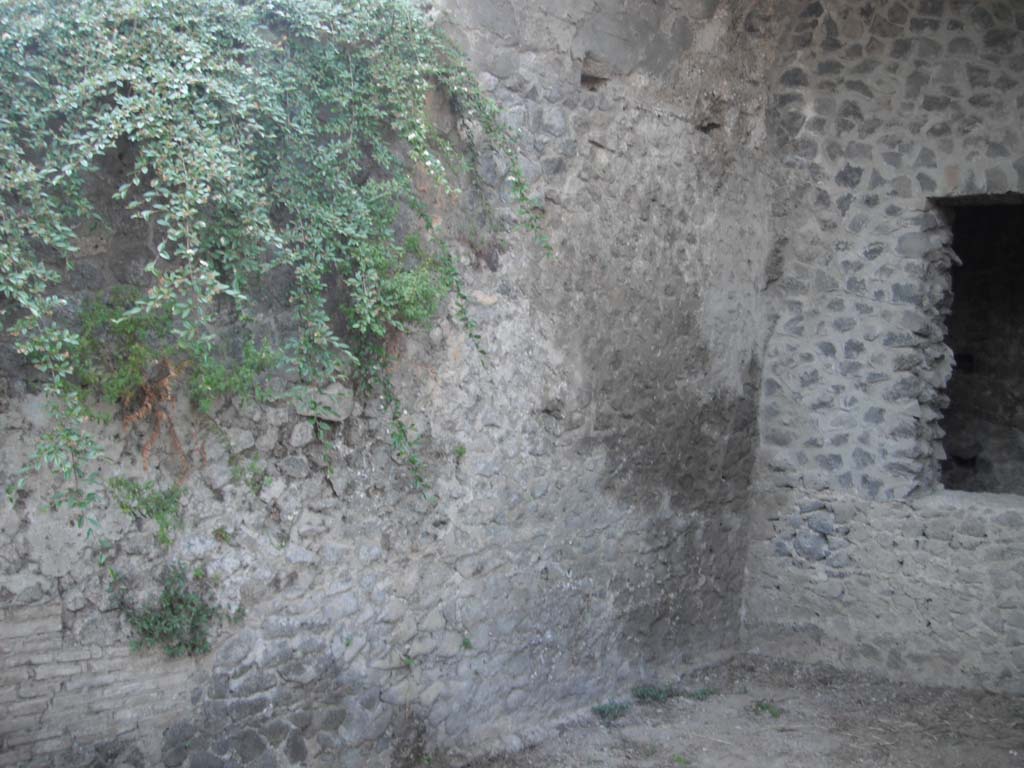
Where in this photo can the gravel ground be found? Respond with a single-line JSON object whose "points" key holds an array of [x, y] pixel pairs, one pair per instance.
{"points": [[769, 714]]}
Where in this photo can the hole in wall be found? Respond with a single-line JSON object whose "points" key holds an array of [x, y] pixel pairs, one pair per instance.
{"points": [[594, 73], [984, 421]]}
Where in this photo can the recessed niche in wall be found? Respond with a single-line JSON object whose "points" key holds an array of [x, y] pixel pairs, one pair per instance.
{"points": [[984, 422], [594, 73]]}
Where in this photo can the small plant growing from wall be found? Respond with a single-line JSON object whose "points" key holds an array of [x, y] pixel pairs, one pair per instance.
{"points": [[179, 620], [144, 501], [250, 473]]}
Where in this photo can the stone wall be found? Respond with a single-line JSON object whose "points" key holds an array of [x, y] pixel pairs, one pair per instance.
{"points": [[879, 109], [930, 590], [590, 473], [748, 281]]}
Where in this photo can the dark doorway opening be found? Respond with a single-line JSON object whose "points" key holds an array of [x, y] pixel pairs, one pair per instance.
{"points": [[984, 422]]}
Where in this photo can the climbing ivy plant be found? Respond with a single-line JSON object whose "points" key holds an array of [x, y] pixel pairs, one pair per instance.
{"points": [[259, 135]]}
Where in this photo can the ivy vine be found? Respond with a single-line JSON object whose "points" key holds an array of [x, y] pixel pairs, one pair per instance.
{"points": [[259, 135]]}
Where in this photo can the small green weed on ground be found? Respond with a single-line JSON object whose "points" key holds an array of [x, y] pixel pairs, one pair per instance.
{"points": [[767, 707], [222, 535], [611, 711], [701, 694], [654, 693]]}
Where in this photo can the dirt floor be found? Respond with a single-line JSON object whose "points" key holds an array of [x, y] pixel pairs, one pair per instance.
{"points": [[767, 714]]}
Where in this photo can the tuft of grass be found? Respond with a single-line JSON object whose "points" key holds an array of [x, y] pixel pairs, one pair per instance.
{"points": [[467, 644], [701, 694], [767, 707], [680, 760], [144, 501], [654, 693], [611, 711], [459, 451]]}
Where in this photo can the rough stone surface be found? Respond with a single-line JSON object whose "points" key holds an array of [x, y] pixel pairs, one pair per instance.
{"points": [[712, 416], [876, 108], [854, 375], [590, 474], [930, 589]]}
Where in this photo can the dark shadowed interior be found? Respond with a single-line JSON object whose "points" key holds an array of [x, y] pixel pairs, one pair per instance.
{"points": [[984, 422]]}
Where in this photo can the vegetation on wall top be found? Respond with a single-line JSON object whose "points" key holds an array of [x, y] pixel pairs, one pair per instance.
{"points": [[270, 135]]}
